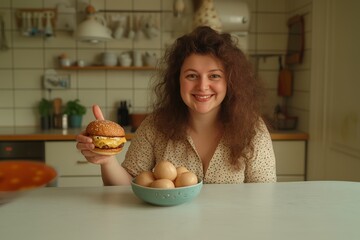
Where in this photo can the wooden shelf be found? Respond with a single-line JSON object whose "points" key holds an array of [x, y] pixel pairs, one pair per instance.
{"points": [[108, 68]]}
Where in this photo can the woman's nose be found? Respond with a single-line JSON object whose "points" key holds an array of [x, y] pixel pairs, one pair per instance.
{"points": [[203, 83]]}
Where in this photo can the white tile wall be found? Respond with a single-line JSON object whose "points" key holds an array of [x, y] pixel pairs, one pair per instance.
{"points": [[272, 23], [28, 58], [6, 99], [5, 3], [25, 98], [119, 79], [26, 117], [271, 43], [27, 79], [272, 6], [6, 59], [26, 4], [22, 67], [6, 79], [7, 116], [119, 5]]}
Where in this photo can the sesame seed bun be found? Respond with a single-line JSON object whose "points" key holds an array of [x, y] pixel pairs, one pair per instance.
{"points": [[108, 136]]}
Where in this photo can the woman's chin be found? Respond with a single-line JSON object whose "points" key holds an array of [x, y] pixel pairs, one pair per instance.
{"points": [[205, 109]]}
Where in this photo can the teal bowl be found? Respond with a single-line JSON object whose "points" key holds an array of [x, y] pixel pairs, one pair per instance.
{"points": [[166, 197]]}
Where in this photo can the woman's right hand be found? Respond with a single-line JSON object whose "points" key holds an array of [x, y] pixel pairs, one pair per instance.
{"points": [[85, 145]]}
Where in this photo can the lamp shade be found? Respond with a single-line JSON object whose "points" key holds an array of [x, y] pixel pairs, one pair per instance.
{"points": [[93, 29]]}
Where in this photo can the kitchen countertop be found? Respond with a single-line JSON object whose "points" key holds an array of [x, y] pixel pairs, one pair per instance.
{"points": [[36, 134], [293, 210]]}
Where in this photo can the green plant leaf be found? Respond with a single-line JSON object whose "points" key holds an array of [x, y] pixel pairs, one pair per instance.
{"points": [[73, 107]]}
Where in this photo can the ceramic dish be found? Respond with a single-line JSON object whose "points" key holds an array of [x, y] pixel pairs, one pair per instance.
{"points": [[167, 197], [19, 176]]}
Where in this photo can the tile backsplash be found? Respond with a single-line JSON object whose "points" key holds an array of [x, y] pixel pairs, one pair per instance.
{"points": [[22, 66]]}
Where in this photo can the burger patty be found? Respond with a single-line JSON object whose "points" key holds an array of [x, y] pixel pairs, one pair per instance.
{"points": [[107, 147]]}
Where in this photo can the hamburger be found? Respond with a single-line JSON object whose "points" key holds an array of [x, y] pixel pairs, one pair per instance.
{"points": [[108, 137]]}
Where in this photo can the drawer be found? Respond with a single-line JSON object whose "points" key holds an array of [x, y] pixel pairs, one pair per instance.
{"points": [[290, 157], [68, 161]]}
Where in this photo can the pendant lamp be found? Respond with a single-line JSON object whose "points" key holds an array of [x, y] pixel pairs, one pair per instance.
{"points": [[93, 29]]}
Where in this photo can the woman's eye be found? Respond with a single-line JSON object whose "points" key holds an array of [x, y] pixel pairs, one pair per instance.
{"points": [[191, 76], [215, 76]]}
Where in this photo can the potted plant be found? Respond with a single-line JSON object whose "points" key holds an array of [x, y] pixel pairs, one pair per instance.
{"points": [[45, 110], [75, 111]]}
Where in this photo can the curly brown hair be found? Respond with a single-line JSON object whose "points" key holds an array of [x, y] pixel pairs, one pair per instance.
{"points": [[240, 109]]}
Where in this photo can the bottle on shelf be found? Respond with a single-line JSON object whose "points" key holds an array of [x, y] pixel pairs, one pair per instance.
{"points": [[123, 114]]}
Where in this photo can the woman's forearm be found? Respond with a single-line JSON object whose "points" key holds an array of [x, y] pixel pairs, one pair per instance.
{"points": [[114, 174]]}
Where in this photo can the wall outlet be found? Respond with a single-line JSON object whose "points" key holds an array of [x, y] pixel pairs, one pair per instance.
{"points": [[56, 81]]}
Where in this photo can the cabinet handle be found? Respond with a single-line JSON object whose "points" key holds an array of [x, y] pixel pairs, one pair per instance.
{"points": [[81, 162]]}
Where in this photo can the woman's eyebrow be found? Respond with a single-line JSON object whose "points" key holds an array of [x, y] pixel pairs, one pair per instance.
{"points": [[212, 70]]}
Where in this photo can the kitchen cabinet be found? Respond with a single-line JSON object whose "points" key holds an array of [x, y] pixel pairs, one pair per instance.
{"points": [[73, 169], [290, 160]]}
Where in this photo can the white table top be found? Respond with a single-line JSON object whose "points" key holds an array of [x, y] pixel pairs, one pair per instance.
{"points": [[301, 210]]}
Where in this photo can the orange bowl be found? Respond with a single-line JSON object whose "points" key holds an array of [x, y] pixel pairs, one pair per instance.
{"points": [[19, 176]]}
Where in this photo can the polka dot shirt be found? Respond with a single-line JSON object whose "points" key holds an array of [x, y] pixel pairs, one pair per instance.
{"points": [[149, 146]]}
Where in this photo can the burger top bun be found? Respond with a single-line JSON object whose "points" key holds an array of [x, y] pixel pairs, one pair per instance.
{"points": [[104, 128]]}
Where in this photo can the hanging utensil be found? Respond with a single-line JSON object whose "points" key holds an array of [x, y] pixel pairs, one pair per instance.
{"points": [[285, 81], [57, 104], [48, 27], [120, 28], [24, 27], [29, 29], [139, 34], [3, 43], [40, 28], [131, 33], [150, 29], [285, 85]]}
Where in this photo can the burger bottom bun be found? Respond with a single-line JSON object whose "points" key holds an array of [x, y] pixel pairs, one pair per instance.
{"points": [[107, 152]]}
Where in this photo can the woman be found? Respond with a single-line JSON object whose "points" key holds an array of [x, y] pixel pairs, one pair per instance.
{"points": [[206, 117]]}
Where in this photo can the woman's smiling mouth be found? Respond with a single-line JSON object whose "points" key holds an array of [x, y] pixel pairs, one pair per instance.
{"points": [[202, 98]]}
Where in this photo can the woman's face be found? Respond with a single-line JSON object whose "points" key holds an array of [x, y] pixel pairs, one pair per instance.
{"points": [[202, 83]]}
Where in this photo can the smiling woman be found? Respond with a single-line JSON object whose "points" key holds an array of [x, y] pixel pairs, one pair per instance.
{"points": [[206, 117]]}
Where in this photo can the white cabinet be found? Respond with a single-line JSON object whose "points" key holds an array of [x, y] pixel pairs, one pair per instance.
{"points": [[290, 160], [73, 169]]}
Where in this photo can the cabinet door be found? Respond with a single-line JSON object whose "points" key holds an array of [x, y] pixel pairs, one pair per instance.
{"points": [[68, 161], [290, 159]]}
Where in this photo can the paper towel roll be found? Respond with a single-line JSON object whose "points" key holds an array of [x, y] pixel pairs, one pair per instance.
{"points": [[234, 15]]}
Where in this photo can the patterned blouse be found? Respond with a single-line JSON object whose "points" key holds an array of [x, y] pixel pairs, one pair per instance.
{"points": [[149, 146]]}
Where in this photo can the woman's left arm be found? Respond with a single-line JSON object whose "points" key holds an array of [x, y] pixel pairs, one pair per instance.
{"points": [[262, 167]]}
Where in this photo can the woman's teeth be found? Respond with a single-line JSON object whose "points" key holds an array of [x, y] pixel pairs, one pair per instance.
{"points": [[202, 97]]}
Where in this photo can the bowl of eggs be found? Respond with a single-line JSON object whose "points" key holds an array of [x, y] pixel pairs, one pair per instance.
{"points": [[166, 185]]}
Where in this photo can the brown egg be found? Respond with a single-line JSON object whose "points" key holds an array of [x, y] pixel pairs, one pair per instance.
{"points": [[181, 170], [165, 170], [162, 183], [145, 178], [186, 179]]}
